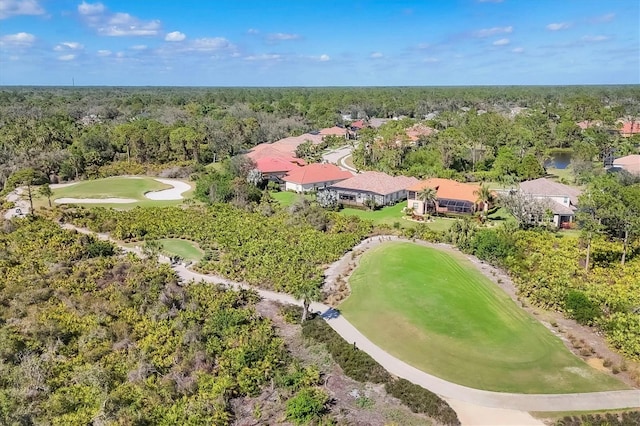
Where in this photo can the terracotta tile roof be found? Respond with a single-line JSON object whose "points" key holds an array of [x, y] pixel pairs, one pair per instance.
{"points": [[449, 189], [549, 188], [376, 182], [414, 132], [359, 124], [586, 124], [630, 163], [630, 128], [276, 164], [316, 173], [335, 130]]}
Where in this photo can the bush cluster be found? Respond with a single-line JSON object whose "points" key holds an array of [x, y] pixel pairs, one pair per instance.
{"points": [[361, 367], [420, 400], [629, 418]]}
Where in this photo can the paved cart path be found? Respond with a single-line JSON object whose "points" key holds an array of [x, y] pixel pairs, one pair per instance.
{"points": [[474, 406]]}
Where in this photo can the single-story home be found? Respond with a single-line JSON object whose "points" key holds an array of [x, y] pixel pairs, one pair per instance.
{"points": [[452, 197], [630, 128], [377, 186], [275, 168], [560, 199], [314, 176], [630, 163]]}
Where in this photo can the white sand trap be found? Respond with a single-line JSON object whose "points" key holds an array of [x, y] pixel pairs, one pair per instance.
{"points": [[94, 200], [174, 193]]}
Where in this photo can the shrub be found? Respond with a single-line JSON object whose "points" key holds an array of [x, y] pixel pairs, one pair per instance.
{"points": [[581, 308], [291, 314], [306, 405], [355, 363], [420, 400]]}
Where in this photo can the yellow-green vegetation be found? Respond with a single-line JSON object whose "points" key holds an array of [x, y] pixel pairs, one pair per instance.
{"points": [[435, 311], [281, 252], [85, 334]]}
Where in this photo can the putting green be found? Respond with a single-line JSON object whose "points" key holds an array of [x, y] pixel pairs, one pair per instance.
{"points": [[115, 187], [435, 311], [187, 250]]}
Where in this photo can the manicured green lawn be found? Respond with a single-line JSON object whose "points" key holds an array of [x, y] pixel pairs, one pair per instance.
{"points": [[434, 310], [286, 198], [187, 250], [115, 187], [391, 214]]}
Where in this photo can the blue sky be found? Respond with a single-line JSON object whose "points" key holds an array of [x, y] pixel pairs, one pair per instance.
{"points": [[319, 43]]}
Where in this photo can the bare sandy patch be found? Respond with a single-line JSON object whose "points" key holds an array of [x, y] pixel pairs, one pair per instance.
{"points": [[174, 193], [597, 363], [95, 200]]}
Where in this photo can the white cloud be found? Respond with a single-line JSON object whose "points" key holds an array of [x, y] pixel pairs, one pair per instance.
{"points": [[282, 37], [69, 57], [175, 36], [517, 50], [263, 57], [210, 44], [85, 8], [104, 53], [501, 42], [106, 23], [487, 32], [9, 8], [17, 40], [557, 26], [68, 45], [253, 31], [431, 60], [423, 46], [324, 58], [376, 55], [595, 39], [139, 47]]}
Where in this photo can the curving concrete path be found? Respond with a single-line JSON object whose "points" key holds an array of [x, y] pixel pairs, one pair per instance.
{"points": [[460, 397]]}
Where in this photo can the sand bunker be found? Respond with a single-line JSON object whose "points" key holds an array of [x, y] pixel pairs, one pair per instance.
{"points": [[95, 200], [174, 193]]}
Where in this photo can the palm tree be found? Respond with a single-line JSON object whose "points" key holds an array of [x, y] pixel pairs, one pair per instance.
{"points": [[485, 196], [307, 292], [45, 191], [429, 196]]}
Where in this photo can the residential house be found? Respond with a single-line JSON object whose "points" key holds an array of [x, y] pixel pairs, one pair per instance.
{"points": [[275, 168], [561, 200], [452, 197], [314, 176], [377, 186], [630, 163], [334, 131], [630, 128]]}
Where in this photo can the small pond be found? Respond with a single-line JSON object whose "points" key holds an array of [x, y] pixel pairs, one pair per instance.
{"points": [[559, 160]]}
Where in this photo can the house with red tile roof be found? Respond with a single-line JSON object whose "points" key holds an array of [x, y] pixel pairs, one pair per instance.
{"points": [[630, 128], [416, 131], [452, 197], [380, 187], [314, 176], [275, 168], [334, 131]]}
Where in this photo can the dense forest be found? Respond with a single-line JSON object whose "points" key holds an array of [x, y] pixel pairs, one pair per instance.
{"points": [[68, 133]]}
